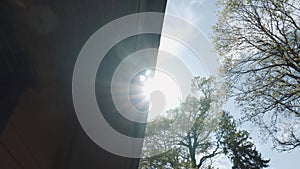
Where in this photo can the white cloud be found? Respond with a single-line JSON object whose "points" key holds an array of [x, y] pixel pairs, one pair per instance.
{"points": [[186, 9]]}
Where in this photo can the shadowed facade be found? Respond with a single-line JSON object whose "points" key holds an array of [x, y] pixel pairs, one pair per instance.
{"points": [[40, 41]]}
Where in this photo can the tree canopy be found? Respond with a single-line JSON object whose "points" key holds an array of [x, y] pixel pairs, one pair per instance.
{"points": [[203, 132], [237, 146], [186, 130], [259, 43]]}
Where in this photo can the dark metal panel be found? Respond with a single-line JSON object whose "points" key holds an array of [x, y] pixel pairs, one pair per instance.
{"points": [[44, 38]]}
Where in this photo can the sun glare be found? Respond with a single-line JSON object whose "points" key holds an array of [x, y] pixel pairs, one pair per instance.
{"points": [[160, 81]]}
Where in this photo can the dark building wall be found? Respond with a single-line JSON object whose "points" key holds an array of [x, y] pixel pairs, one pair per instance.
{"points": [[39, 126]]}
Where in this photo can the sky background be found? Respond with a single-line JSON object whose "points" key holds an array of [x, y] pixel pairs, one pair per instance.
{"points": [[201, 13]]}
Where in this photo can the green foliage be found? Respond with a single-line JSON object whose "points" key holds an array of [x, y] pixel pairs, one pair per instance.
{"points": [[198, 128], [172, 159], [259, 42], [177, 137], [237, 147]]}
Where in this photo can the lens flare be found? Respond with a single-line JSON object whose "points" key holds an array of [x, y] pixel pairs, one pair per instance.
{"points": [[163, 83]]}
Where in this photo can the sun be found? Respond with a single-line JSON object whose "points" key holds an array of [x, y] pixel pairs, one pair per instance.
{"points": [[162, 91]]}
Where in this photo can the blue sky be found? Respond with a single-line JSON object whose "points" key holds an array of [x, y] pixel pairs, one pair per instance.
{"points": [[201, 13]]}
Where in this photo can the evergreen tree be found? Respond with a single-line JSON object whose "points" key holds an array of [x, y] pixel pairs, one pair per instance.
{"points": [[237, 147]]}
